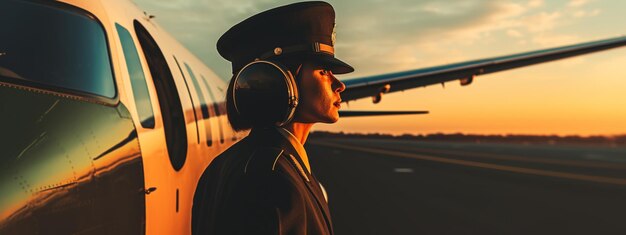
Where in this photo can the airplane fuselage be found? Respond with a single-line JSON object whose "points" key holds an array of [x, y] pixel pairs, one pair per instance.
{"points": [[118, 151]]}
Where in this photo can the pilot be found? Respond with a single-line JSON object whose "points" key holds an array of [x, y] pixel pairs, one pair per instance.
{"points": [[283, 82]]}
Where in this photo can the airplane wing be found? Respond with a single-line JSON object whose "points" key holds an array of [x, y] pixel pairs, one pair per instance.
{"points": [[376, 86]]}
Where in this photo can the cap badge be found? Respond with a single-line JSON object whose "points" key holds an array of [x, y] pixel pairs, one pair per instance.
{"points": [[278, 51]]}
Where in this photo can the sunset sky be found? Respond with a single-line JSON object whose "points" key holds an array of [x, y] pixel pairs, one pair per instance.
{"points": [[585, 95]]}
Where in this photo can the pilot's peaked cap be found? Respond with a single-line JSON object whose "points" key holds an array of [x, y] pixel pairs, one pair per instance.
{"points": [[303, 30]]}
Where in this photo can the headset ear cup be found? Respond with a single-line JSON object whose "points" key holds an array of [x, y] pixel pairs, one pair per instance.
{"points": [[265, 93], [293, 100]]}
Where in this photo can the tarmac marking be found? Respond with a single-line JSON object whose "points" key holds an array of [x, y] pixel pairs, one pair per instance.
{"points": [[403, 170], [577, 163], [523, 170]]}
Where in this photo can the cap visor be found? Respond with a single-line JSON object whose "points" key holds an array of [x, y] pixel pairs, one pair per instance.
{"points": [[335, 65]]}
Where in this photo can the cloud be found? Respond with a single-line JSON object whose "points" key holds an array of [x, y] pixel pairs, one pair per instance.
{"points": [[535, 3], [372, 38], [583, 13], [577, 3], [197, 24], [541, 22], [549, 40], [514, 33], [379, 35], [422, 19], [400, 35]]}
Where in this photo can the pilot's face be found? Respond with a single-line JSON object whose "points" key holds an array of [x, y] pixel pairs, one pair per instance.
{"points": [[319, 95]]}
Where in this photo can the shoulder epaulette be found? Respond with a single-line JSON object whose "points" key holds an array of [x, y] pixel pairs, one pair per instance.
{"points": [[263, 160]]}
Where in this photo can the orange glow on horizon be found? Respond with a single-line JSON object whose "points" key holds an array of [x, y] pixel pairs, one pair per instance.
{"points": [[558, 98]]}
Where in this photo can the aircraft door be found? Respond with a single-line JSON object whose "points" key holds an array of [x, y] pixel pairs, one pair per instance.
{"points": [[168, 97], [165, 146]]}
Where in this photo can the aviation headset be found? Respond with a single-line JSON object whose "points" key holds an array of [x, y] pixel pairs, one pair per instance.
{"points": [[265, 92]]}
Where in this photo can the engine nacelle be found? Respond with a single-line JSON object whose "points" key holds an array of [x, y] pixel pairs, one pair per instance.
{"points": [[466, 81], [378, 97]]}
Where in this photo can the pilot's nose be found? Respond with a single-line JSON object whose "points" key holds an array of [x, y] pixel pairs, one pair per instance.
{"points": [[338, 86]]}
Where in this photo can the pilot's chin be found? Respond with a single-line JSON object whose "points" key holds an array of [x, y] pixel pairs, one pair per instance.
{"points": [[330, 118], [334, 118]]}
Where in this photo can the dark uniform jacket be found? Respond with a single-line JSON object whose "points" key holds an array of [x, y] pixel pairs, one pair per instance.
{"points": [[260, 186]]}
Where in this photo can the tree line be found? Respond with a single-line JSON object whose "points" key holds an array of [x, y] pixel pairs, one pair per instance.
{"points": [[478, 138]]}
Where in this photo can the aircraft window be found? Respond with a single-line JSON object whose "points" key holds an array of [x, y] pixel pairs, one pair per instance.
{"points": [[137, 78], [193, 104], [54, 46], [216, 107], [169, 101], [203, 103]]}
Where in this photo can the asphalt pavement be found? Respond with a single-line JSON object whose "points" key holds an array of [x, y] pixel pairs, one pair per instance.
{"points": [[382, 186]]}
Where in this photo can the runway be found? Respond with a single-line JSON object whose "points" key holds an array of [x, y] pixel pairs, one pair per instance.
{"points": [[382, 186]]}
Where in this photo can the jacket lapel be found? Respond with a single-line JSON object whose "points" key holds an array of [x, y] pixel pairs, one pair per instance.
{"points": [[311, 182], [323, 203], [314, 188]]}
